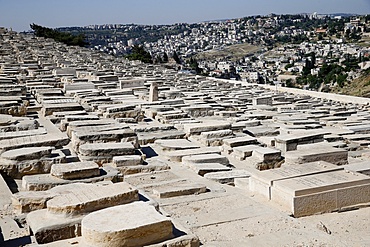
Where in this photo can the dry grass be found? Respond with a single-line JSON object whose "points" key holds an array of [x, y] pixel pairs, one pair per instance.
{"points": [[233, 52], [358, 87]]}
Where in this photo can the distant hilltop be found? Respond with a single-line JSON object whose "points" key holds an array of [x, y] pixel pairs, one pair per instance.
{"points": [[344, 15]]}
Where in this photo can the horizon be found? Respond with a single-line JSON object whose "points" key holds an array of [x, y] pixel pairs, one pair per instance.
{"points": [[218, 20], [19, 14]]}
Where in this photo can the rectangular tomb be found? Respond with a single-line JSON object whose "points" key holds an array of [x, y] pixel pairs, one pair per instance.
{"points": [[262, 181], [319, 193]]}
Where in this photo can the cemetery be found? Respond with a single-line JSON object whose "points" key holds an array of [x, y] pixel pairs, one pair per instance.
{"points": [[97, 150]]}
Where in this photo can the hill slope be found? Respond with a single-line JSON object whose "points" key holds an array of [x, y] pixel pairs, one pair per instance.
{"points": [[358, 87]]}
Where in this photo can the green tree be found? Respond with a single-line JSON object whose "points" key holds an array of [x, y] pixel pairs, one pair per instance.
{"points": [[193, 64], [176, 57], [165, 58], [64, 37], [139, 53]]}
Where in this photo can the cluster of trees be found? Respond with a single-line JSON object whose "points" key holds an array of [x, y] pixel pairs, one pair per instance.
{"points": [[328, 74], [161, 58], [193, 65], [64, 37], [139, 53]]}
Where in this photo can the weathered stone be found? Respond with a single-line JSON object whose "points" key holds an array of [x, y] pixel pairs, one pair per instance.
{"points": [[148, 168], [127, 160], [227, 177], [75, 170], [179, 189], [103, 149], [134, 224], [86, 198], [290, 142], [27, 153], [205, 168], [27, 161], [197, 128], [27, 201], [243, 151], [48, 229], [145, 138], [240, 141], [316, 152], [41, 182], [267, 155], [179, 154], [206, 158], [361, 167], [175, 144]]}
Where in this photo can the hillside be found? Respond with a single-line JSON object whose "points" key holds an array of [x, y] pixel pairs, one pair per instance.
{"points": [[358, 87], [232, 52]]}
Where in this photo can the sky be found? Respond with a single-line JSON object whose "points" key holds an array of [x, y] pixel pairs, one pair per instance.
{"points": [[19, 14]]}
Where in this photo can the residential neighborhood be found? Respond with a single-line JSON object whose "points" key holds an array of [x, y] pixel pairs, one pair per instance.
{"points": [[288, 50]]}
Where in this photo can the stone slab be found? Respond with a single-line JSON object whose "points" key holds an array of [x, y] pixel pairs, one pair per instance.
{"points": [[266, 155], [206, 158], [148, 168], [259, 131], [134, 224], [33, 141], [242, 152], [361, 167], [145, 138], [102, 149], [317, 152], [227, 177], [290, 142], [197, 128], [47, 228], [75, 170], [180, 154], [240, 141], [205, 168], [86, 198], [27, 153], [43, 182], [179, 189], [27, 201], [127, 160], [15, 134], [175, 144]]}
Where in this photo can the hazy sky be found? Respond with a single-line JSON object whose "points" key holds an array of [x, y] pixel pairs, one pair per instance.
{"points": [[18, 14]]}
